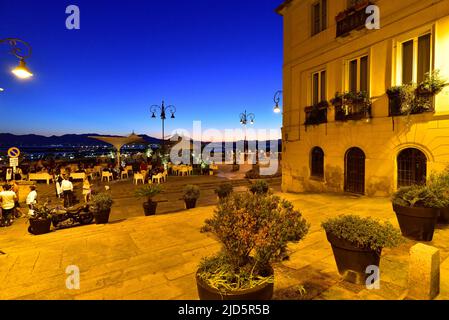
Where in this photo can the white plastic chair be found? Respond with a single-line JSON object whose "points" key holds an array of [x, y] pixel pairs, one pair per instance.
{"points": [[158, 178], [138, 177], [106, 175], [124, 175]]}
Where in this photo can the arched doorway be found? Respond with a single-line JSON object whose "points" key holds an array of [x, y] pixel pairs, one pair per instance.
{"points": [[412, 167], [355, 171]]}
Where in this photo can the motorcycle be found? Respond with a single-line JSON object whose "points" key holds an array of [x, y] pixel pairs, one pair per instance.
{"points": [[76, 215]]}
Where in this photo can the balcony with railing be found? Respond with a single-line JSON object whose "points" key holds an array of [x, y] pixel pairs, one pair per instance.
{"points": [[353, 18], [317, 114]]}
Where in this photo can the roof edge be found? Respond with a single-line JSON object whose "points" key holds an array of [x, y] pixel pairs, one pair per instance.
{"points": [[285, 4]]}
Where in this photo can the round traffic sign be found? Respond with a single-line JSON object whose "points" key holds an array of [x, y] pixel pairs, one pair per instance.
{"points": [[14, 152]]}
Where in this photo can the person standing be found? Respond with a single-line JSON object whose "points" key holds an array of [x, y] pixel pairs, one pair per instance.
{"points": [[8, 201], [86, 190], [67, 191], [15, 189], [31, 200]]}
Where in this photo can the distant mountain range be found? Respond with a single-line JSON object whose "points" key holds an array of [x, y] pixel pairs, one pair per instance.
{"points": [[32, 140], [67, 140]]}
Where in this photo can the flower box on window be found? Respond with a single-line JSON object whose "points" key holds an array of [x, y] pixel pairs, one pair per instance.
{"points": [[316, 115]]}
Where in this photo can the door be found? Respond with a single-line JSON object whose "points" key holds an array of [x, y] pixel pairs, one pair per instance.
{"points": [[355, 171]]}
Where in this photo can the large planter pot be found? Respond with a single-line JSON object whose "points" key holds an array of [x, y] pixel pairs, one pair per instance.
{"points": [[190, 203], [102, 217], [38, 226], [417, 223], [352, 261], [150, 208], [262, 292], [444, 216]]}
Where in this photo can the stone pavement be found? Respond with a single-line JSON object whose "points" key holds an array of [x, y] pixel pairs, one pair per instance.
{"points": [[157, 257]]}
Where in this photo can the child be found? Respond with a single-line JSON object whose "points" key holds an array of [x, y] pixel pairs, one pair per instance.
{"points": [[86, 190]]}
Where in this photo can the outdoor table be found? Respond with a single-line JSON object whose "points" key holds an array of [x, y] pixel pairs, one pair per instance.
{"points": [[42, 176], [78, 176]]}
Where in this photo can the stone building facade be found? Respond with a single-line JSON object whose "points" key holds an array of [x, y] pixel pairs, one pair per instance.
{"points": [[364, 141]]}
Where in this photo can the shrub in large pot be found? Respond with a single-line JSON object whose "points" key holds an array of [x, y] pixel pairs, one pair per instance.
{"points": [[357, 244], [191, 195], [260, 187], [40, 220], [101, 204], [439, 183], [254, 231], [149, 192], [417, 209]]}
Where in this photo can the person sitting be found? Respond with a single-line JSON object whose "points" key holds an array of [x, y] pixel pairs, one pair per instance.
{"points": [[8, 201]]}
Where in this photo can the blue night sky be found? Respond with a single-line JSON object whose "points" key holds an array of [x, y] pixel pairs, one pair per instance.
{"points": [[212, 59]]}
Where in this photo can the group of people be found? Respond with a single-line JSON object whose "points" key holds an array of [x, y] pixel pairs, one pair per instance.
{"points": [[64, 189], [9, 203]]}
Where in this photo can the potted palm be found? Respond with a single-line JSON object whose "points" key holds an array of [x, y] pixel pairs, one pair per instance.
{"points": [[149, 192], [224, 190], [101, 204], [254, 231], [191, 195], [260, 187], [417, 209], [40, 220], [357, 243]]}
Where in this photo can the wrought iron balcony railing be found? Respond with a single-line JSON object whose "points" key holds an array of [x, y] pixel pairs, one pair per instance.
{"points": [[316, 115], [351, 19]]}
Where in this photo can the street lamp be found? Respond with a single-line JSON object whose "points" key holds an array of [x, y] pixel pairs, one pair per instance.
{"points": [[21, 71], [246, 118], [163, 115], [277, 100]]}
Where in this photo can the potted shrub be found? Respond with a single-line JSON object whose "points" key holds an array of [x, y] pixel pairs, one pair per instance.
{"points": [[149, 192], [191, 195], [224, 190], [357, 243], [440, 185], [101, 204], [417, 209], [432, 85], [40, 221], [259, 187], [254, 231]]}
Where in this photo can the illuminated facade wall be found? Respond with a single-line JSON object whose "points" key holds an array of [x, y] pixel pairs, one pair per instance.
{"points": [[380, 54]]}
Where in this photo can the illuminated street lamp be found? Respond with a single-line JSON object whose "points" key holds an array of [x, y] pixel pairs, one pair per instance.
{"points": [[21, 71], [277, 100], [163, 115], [246, 118]]}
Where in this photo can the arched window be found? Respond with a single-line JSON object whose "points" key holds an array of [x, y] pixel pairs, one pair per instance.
{"points": [[317, 163], [412, 167], [355, 171]]}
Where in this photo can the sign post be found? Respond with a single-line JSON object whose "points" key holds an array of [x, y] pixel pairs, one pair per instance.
{"points": [[13, 154]]}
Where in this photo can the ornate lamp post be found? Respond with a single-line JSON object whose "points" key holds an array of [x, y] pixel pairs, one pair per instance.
{"points": [[277, 100], [246, 118], [21, 71], [163, 116]]}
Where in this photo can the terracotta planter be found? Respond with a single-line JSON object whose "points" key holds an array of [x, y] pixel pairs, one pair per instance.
{"points": [[190, 203], [262, 292], [150, 208], [352, 261], [38, 226], [444, 216], [417, 223], [102, 217]]}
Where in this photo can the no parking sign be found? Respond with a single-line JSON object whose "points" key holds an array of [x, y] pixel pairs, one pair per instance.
{"points": [[14, 152]]}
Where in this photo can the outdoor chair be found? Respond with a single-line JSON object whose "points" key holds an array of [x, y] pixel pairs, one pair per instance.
{"points": [[106, 175], [138, 177], [124, 175], [158, 178]]}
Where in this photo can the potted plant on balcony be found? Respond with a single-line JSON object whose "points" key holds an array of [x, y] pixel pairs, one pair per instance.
{"points": [[432, 85], [191, 195], [149, 192], [357, 243], [260, 187], [224, 191], [101, 205], [417, 209], [254, 231], [40, 220]]}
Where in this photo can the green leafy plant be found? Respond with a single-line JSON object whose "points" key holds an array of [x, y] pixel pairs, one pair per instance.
{"points": [[41, 212], [191, 192], [363, 232], [418, 196], [260, 187], [254, 231], [439, 185], [433, 83], [148, 191], [101, 202], [224, 190]]}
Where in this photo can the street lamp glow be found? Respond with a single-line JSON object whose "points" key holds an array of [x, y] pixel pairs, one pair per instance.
{"points": [[22, 71], [277, 109]]}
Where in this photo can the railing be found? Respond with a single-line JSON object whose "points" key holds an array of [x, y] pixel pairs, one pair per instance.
{"points": [[316, 115], [352, 19], [420, 104]]}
